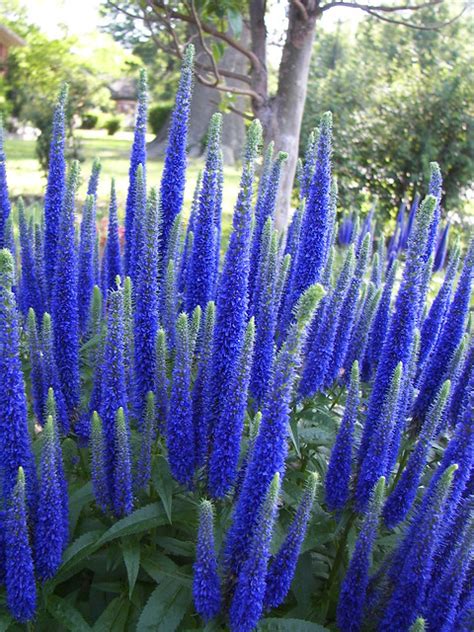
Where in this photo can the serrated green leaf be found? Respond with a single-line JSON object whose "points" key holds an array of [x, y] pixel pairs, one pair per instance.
{"points": [[77, 501], [114, 618], [160, 567], [67, 615], [76, 552], [176, 547], [131, 558], [140, 520], [289, 625], [165, 609], [5, 622], [163, 484]]}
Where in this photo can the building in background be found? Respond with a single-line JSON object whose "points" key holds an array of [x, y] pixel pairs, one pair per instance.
{"points": [[7, 39]]}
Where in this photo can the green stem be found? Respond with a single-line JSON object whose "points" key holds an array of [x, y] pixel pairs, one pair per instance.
{"points": [[340, 551]]}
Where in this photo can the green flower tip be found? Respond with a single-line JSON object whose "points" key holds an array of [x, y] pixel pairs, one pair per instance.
{"points": [[312, 483], [96, 421], [326, 122], [307, 303], [434, 168], [182, 323], [427, 209], [379, 492], [254, 138], [7, 268], [21, 478], [31, 318], [418, 625], [250, 331], [150, 401], [355, 372], [206, 507], [120, 419], [48, 429], [274, 490], [282, 156], [63, 95], [188, 58], [142, 85]]}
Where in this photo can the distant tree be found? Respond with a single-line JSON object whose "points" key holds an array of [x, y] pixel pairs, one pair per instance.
{"points": [[401, 98], [217, 25]]}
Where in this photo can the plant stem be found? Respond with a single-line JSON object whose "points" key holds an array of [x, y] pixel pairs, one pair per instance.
{"points": [[340, 550]]}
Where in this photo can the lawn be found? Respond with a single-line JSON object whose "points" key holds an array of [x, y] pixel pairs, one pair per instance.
{"points": [[25, 177]]}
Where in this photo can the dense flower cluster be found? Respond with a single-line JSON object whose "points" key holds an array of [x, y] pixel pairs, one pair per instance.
{"points": [[222, 365]]}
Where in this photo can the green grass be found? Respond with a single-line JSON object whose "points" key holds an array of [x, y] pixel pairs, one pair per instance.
{"points": [[25, 177]]}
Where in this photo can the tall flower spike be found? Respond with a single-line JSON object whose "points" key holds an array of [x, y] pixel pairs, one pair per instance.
{"points": [[51, 411], [435, 188], [5, 207], [248, 600], [433, 323], [232, 293], [309, 163], [338, 474], [441, 249], [313, 251], [55, 189], [122, 498], [36, 362], [350, 609], [39, 272], [162, 382], [86, 262], [137, 157], [373, 462], [449, 337], [201, 272], [98, 467], [282, 568], [113, 395], [224, 459], [146, 312], [262, 213], [398, 340], [415, 558], [320, 347], [360, 329], [265, 318], [180, 431], [50, 373], [270, 449], [443, 601], [403, 494], [19, 572], [28, 285], [93, 183], [143, 471], [137, 238], [206, 582], [459, 395], [15, 442], [112, 247], [129, 342], [49, 536], [65, 300], [201, 383], [347, 314], [174, 170]]}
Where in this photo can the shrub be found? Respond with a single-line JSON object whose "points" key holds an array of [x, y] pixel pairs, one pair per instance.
{"points": [[157, 117], [112, 125], [89, 121], [165, 417]]}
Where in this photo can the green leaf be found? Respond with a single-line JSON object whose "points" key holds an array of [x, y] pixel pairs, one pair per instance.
{"points": [[114, 618], [161, 568], [289, 625], [235, 21], [131, 557], [67, 615], [294, 435], [140, 520], [176, 547], [78, 551], [77, 501], [165, 609], [5, 622], [163, 484]]}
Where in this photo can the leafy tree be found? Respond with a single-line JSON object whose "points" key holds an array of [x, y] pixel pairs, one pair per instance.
{"points": [[401, 98]]}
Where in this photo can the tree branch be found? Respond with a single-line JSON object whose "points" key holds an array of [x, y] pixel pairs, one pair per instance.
{"points": [[412, 25], [205, 47], [381, 7], [207, 28]]}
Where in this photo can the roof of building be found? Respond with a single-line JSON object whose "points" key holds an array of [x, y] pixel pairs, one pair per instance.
{"points": [[8, 37]]}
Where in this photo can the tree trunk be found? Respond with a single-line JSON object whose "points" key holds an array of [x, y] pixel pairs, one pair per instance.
{"points": [[282, 114], [204, 103]]}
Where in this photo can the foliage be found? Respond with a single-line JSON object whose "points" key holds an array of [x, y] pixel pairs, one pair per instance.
{"points": [[155, 488], [157, 117], [401, 98], [112, 125]]}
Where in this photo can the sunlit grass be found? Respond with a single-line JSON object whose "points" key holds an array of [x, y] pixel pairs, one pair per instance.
{"points": [[25, 177]]}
